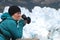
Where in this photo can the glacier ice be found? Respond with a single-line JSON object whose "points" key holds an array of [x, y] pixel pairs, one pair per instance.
{"points": [[45, 23]]}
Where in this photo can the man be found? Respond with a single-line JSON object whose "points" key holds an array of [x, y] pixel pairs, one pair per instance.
{"points": [[8, 28]]}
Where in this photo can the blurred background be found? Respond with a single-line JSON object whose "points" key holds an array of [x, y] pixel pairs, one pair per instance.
{"points": [[45, 17], [30, 3]]}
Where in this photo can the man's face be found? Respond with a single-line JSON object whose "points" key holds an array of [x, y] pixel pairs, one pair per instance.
{"points": [[17, 16]]}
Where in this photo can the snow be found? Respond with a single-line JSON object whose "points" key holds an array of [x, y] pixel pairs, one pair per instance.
{"points": [[45, 22], [0, 17]]}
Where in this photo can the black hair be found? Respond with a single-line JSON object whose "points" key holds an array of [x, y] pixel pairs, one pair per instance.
{"points": [[13, 9]]}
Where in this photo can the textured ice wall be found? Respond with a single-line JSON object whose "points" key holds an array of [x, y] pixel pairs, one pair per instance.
{"points": [[45, 23]]}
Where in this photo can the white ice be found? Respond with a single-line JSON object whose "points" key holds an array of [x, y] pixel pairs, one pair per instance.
{"points": [[45, 22]]}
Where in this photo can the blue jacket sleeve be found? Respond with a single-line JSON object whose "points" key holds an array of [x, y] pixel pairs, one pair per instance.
{"points": [[4, 31], [16, 32], [21, 24]]}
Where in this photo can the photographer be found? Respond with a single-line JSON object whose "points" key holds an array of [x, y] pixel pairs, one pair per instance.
{"points": [[8, 27]]}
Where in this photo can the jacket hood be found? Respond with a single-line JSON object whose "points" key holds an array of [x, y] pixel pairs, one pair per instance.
{"points": [[5, 16]]}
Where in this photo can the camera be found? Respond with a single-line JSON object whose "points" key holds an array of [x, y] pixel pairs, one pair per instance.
{"points": [[28, 19]]}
